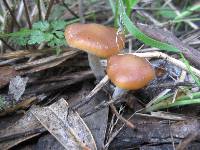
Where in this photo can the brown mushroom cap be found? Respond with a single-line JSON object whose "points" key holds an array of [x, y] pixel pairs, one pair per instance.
{"points": [[129, 72], [95, 39]]}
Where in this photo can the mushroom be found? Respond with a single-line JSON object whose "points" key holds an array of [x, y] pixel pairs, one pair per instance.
{"points": [[129, 72], [97, 40]]}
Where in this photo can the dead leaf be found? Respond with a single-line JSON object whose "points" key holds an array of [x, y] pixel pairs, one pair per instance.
{"points": [[25, 103], [66, 126], [17, 87], [24, 129]]}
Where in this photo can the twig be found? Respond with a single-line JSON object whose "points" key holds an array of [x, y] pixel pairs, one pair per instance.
{"points": [[100, 106], [44, 66], [168, 58], [116, 133], [112, 124], [171, 135], [187, 140], [27, 14], [43, 9], [125, 121], [112, 134], [49, 9], [8, 61], [147, 15], [163, 93], [97, 88], [46, 60], [194, 26], [112, 137], [33, 12], [22, 105], [181, 79], [164, 115], [20, 10], [172, 84], [10, 47], [189, 52], [33, 132], [39, 10], [71, 11], [11, 13]]}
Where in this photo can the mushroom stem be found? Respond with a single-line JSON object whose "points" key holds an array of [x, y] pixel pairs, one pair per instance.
{"points": [[96, 66], [118, 92]]}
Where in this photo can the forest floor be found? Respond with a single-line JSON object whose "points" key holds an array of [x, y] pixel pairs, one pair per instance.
{"points": [[50, 98]]}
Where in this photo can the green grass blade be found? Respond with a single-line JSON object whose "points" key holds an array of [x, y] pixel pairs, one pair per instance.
{"points": [[188, 11], [131, 4], [112, 5], [140, 35], [116, 15], [166, 101], [189, 69], [193, 95], [169, 104]]}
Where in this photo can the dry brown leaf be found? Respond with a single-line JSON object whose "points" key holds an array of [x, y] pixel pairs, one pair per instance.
{"points": [[25, 128], [66, 126]]}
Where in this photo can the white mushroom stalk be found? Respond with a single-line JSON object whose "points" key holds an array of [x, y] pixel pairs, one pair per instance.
{"points": [[118, 93], [96, 66]]}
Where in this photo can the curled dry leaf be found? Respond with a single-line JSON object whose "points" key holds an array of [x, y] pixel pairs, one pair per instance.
{"points": [[6, 73], [66, 126], [17, 87], [25, 128]]}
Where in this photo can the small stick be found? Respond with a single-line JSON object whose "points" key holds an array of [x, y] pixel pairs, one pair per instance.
{"points": [[39, 10], [181, 79], [32, 132], [163, 93], [147, 15], [97, 88], [187, 140], [100, 106], [27, 14], [167, 37], [8, 61], [11, 13], [68, 54], [116, 133], [20, 11], [49, 9], [193, 25], [10, 47], [125, 121], [113, 123], [173, 84], [71, 11], [170, 59]]}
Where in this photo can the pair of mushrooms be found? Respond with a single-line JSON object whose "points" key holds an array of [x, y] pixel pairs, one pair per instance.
{"points": [[128, 72]]}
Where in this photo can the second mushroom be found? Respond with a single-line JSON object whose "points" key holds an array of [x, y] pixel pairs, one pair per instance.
{"points": [[129, 72]]}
